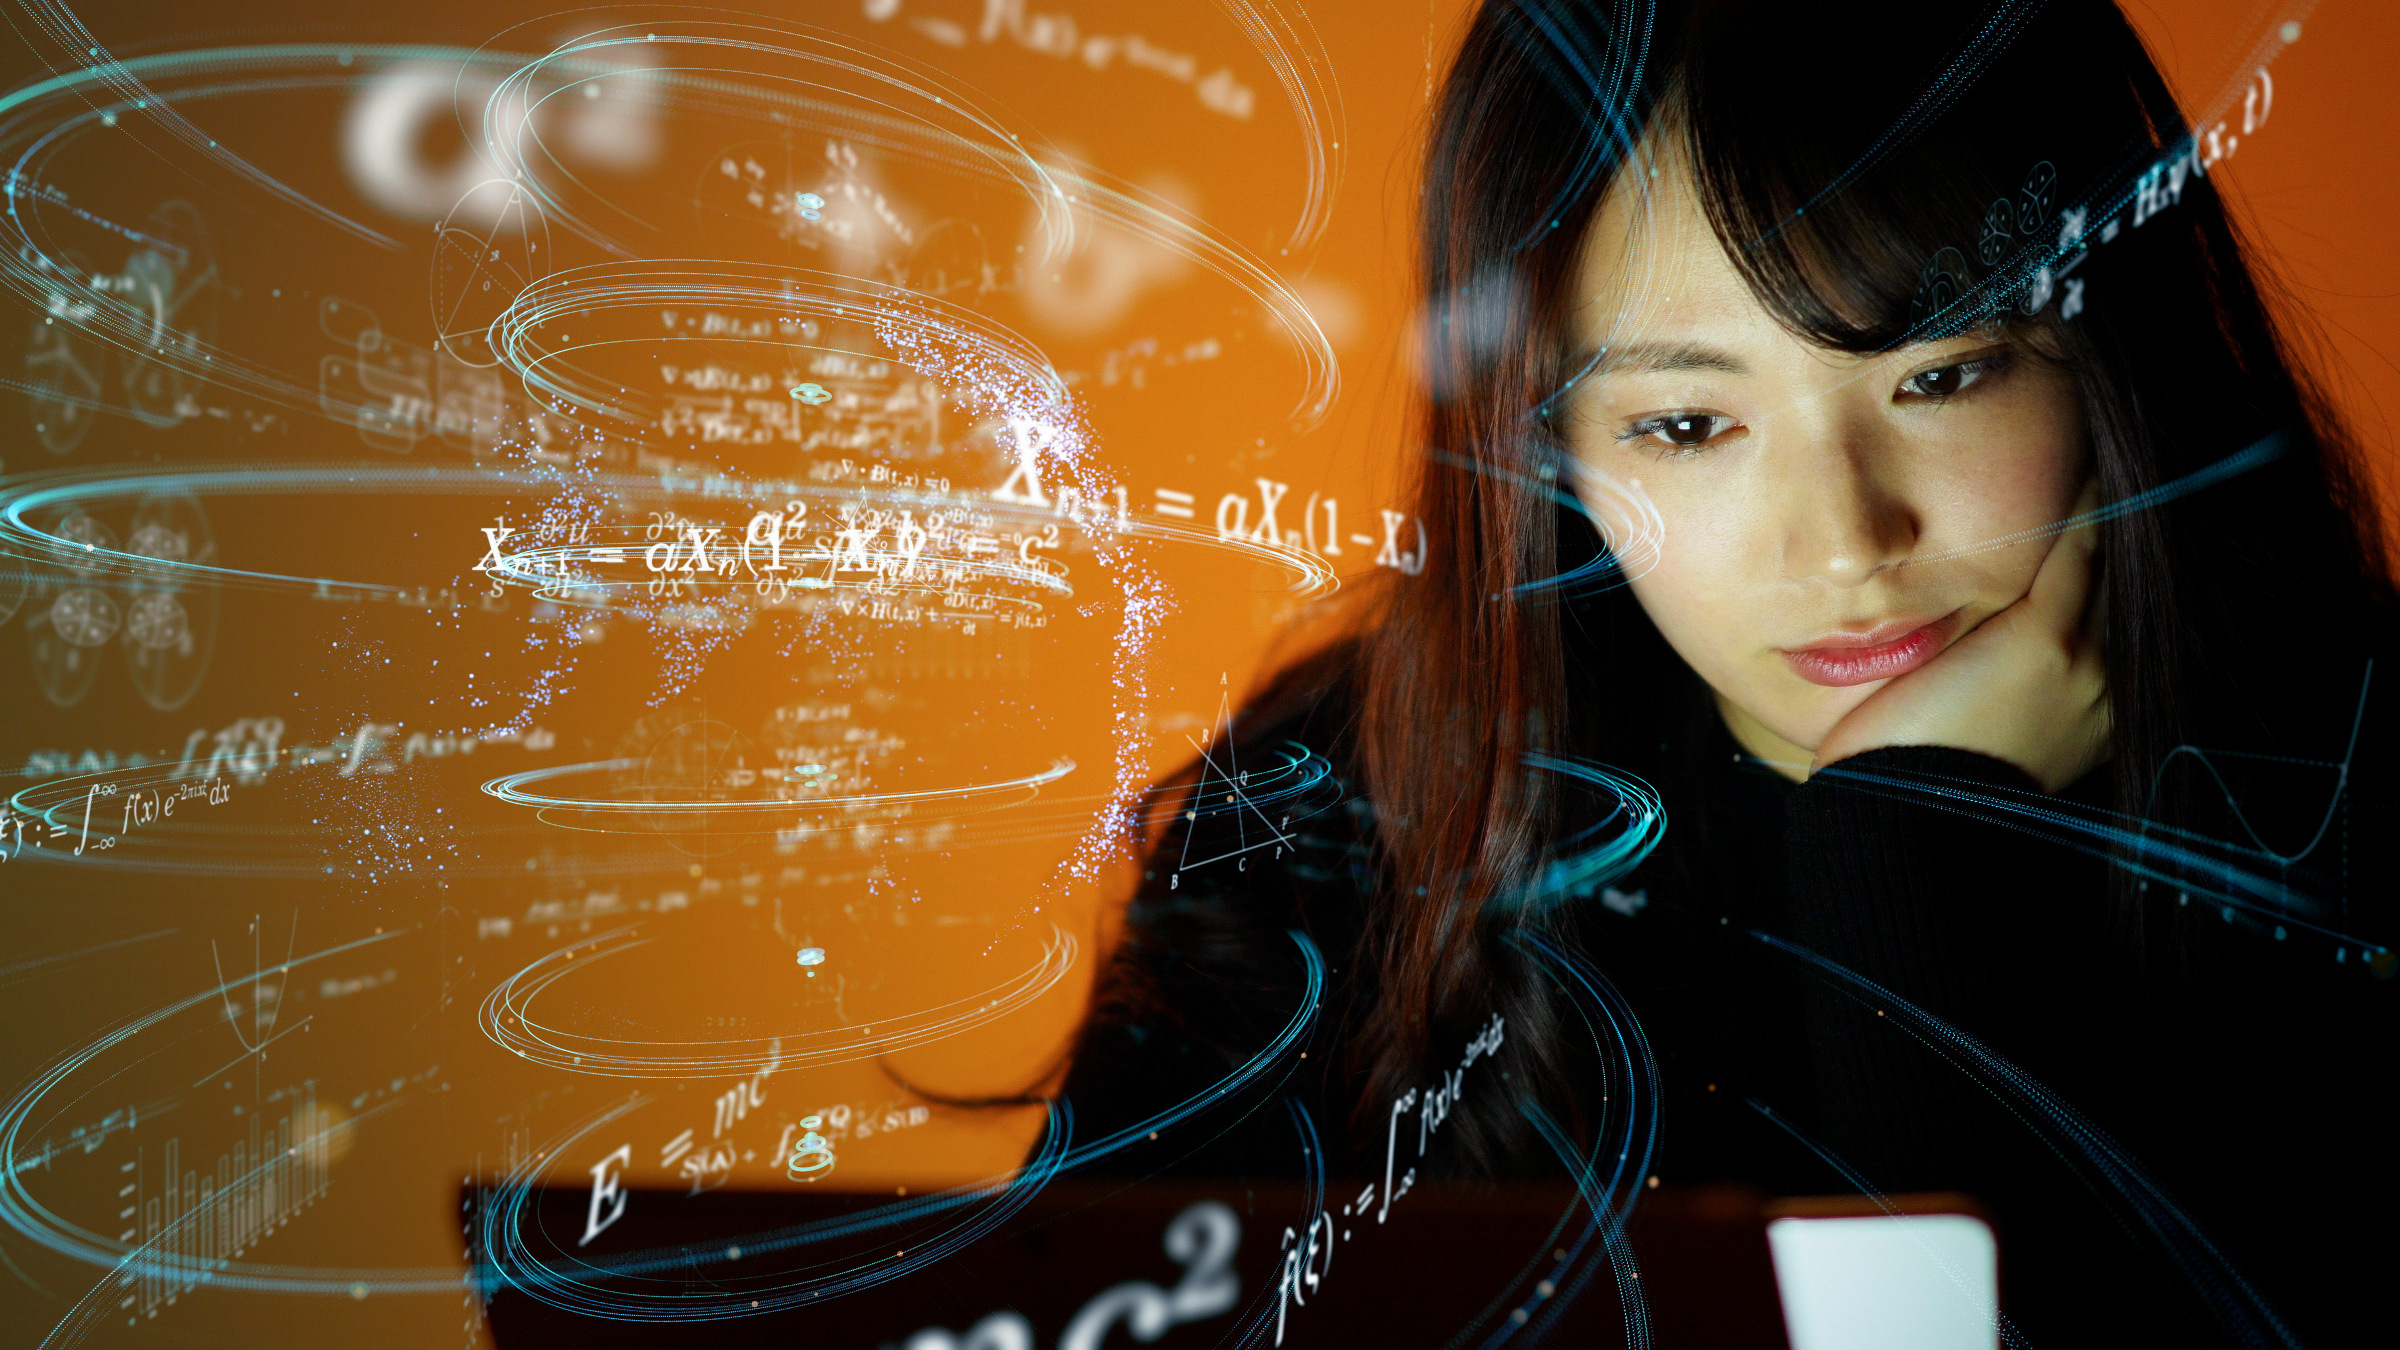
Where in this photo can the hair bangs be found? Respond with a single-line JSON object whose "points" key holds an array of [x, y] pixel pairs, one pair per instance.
{"points": [[1900, 207]]}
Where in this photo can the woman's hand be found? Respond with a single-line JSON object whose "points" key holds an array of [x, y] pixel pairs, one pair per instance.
{"points": [[2028, 686]]}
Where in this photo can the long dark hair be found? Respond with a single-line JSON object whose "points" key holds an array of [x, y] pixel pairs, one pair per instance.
{"points": [[1854, 160]]}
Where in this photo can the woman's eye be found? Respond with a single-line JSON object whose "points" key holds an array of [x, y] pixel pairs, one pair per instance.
{"points": [[1943, 381], [1681, 430]]}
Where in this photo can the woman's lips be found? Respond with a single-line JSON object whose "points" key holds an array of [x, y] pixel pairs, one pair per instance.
{"points": [[1882, 653]]}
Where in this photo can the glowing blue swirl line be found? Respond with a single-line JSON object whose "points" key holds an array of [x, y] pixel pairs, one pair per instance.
{"points": [[1268, 1302], [505, 1258], [1304, 1017], [510, 788], [85, 487], [1627, 1057], [1974, 59], [1265, 788], [2093, 833], [2259, 453], [1639, 822], [69, 32], [944, 128], [515, 97], [1620, 560], [508, 1258], [122, 1260], [2238, 1305], [506, 1018], [579, 294], [1999, 1320]]}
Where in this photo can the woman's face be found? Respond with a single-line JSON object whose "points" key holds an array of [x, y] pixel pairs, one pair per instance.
{"points": [[1828, 519]]}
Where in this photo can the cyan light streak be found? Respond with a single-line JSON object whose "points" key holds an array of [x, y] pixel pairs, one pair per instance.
{"points": [[1974, 59], [2263, 451], [2237, 1306], [1632, 545], [1629, 1130], [574, 1284], [1604, 851], [124, 1261], [1275, 1052], [1252, 1326], [577, 1285], [512, 788], [2007, 1330], [908, 114], [1614, 90], [509, 1019], [2235, 879]]}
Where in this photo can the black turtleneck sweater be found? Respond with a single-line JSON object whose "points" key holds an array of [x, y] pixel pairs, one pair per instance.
{"points": [[1911, 973]]}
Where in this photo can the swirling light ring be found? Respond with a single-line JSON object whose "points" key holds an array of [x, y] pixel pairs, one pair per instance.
{"points": [[787, 301], [797, 69], [510, 1021], [569, 1280], [1294, 772], [38, 117], [512, 788], [65, 491], [1605, 850], [940, 129], [36, 1222], [574, 1282]]}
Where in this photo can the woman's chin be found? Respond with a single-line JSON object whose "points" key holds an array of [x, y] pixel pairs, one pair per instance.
{"points": [[1788, 735], [1812, 724]]}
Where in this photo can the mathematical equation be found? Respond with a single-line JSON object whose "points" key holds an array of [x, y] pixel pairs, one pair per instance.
{"points": [[951, 565], [2157, 189], [843, 1121], [872, 407], [1308, 1255], [1202, 1239], [705, 1163], [1319, 531], [1130, 365], [398, 394], [589, 904], [1056, 35], [139, 807], [248, 748], [366, 750]]}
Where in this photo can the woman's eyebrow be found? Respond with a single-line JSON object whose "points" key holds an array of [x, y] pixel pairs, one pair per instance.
{"points": [[1654, 358]]}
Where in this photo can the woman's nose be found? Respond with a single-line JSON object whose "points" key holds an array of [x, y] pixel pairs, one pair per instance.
{"points": [[1843, 517]]}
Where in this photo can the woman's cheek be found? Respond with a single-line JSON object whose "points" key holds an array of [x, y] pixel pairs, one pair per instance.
{"points": [[1716, 596], [2029, 500], [1702, 600], [2016, 467]]}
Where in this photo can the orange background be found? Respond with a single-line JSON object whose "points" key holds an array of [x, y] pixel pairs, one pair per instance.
{"points": [[2319, 188], [2319, 185]]}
